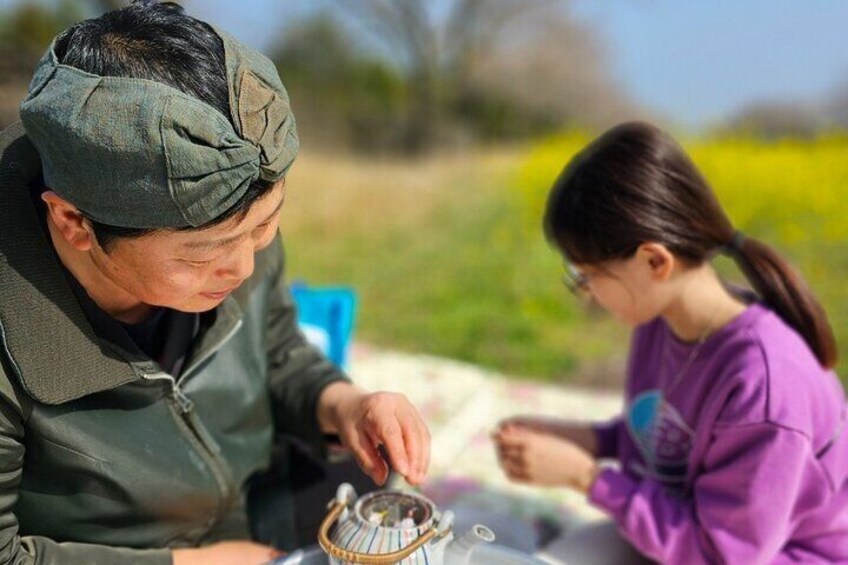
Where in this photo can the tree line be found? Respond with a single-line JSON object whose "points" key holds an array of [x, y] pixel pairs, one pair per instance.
{"points": [[415, 75]]}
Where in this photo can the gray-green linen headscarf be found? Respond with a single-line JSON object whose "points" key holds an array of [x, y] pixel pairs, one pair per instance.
{"points": [[138, 153]]}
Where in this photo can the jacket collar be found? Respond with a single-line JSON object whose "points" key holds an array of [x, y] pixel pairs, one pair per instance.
{"points": [[50, 343]]}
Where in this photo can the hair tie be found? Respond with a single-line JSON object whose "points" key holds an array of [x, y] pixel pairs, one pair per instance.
{"points": [[737, 240], [734, 246]]}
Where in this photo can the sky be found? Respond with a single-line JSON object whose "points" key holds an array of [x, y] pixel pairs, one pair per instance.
{"points": [[692, 61], [697, 61]]}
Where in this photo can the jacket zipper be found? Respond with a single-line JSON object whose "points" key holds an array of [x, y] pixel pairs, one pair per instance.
{"points": [[198, 436], [195, 429]]}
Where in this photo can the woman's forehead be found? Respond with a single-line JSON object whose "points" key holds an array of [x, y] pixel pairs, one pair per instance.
{"points": [[220, 235]]}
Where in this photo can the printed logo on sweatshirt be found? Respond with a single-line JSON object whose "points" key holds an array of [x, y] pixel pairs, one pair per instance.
{"points": [[662, 436]]}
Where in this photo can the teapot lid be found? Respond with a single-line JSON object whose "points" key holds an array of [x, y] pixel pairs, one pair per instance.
{"points": [[395, 509]]}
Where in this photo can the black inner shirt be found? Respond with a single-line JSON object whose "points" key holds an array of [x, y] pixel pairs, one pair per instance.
{"points": [[165, 336]]}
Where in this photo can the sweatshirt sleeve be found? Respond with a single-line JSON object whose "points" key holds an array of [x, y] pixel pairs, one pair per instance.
{"points": [[298, 372], [757, 477], [607, 434]]}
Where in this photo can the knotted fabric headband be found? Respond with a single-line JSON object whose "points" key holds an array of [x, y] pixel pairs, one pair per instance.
{"points": [[140, 154]]}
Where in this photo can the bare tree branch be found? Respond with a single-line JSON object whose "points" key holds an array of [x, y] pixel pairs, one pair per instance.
{"points": [[444, 56]]}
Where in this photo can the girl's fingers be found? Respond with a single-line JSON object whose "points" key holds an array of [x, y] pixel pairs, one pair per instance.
{"points": [[512, 438], [515, 470], [511, 452]]}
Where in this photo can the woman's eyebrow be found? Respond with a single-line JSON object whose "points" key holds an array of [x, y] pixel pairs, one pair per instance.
{"points": [[214, 244]]}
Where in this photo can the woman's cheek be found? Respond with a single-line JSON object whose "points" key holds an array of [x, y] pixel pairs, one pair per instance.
{"points": [[186, 281], [267, 238]]}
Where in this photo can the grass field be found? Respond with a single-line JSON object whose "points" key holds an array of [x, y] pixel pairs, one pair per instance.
{"points": [[447, 255]]}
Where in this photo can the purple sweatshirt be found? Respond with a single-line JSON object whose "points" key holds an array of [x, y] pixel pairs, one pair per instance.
{"points": [[742, 461]]}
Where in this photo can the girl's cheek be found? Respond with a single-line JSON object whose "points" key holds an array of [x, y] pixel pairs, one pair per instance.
{"points": [[600, 297]]}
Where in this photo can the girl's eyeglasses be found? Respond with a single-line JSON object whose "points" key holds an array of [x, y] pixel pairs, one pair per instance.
{"points": [[575, 281]]}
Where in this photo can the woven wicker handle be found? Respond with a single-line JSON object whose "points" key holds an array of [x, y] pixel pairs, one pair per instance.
{"points": [[365, 558]]}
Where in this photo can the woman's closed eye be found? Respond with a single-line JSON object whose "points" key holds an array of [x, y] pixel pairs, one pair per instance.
{"points": [[263, 226], [197, 262]]}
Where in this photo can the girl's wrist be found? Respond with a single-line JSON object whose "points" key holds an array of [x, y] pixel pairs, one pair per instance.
{"points": [[585, 483]]}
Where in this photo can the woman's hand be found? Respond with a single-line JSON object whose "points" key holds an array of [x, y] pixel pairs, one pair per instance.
{"points": [[226, 553], [365, 421], [543, 459]]}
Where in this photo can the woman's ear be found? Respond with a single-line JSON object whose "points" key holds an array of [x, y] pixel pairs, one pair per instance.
{"points": [[660, 260], [68, 221]]}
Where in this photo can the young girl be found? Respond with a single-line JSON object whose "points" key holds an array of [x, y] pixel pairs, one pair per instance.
{"points": [[731, 446]]}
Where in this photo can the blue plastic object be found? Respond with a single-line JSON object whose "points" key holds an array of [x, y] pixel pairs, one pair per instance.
{"points": [[326, 316]]}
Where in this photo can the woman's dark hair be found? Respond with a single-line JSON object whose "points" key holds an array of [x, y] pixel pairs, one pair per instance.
{"points": [[635, 184], [155, 41]]}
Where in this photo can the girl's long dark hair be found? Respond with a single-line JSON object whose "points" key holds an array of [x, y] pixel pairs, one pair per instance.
{"points": [[635, 184]]}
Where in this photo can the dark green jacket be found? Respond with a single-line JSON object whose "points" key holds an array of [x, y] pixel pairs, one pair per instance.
{"points": [[106, 459]]}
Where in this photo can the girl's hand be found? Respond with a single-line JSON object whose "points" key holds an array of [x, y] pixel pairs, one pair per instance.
{"points": [[543, 459], [226, 553], [579, 433]]}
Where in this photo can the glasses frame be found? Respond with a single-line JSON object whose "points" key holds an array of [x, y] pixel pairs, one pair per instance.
{"points": [[576, 281]]}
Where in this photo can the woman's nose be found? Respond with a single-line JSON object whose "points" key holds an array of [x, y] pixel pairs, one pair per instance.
{"points": [[240, 264]]}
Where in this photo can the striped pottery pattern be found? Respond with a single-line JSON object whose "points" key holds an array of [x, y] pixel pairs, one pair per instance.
{"points": [[354, 531]]}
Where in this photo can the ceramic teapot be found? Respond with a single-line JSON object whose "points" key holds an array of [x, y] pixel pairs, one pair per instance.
{"points": [[390, 526]]}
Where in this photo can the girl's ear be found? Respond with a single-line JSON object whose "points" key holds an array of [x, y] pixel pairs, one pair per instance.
{"points": [[659, 259]]}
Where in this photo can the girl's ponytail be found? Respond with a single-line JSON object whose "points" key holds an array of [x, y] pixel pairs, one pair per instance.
{"points": [[785, 292]]}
